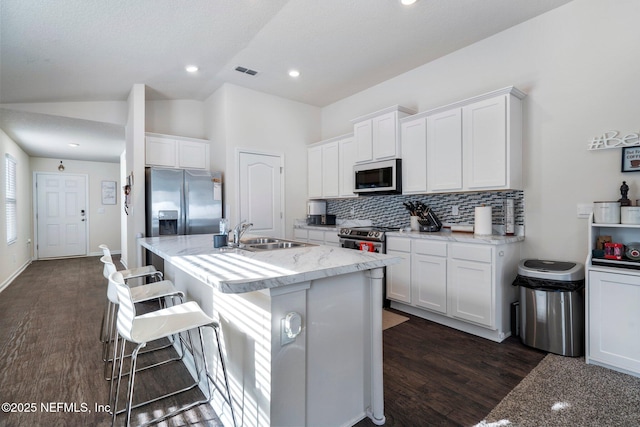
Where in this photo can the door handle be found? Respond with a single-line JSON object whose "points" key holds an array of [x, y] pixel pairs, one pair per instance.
{"points": [[82, 212]]}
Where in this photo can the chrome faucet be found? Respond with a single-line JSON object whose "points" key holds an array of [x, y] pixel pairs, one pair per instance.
{"points": [[238, 231]]}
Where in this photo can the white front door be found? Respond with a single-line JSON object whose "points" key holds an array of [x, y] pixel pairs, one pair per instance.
{"points": [[61, 215], [261, 200]]}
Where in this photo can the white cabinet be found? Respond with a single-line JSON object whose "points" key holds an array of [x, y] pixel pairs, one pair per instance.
{"points": [[176, 152], [399, 275], [476, 144], [323, 163], [444, 151], [377, 135], [317, 237], [487, 157], [466, 286], [347, 158], [471, 283], [301, 234], [330, 168], [413, 134], [314, 171], [429, 271], [612, 301], [614, 321]]}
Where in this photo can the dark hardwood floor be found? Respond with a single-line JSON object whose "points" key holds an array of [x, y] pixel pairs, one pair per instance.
{"points": [[51, 367]]}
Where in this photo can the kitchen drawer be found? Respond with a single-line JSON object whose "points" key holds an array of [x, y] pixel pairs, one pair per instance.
{"points": [[331, 237], [429, 247], [316, 235], [478, 253], [400, 245], [300, 234]]}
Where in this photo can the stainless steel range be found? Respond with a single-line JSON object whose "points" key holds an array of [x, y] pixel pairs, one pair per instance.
{"points": [[370, 238]]}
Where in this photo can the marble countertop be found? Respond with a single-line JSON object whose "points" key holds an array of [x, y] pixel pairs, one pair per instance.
{"points": [[237, 270], [448, 235]]}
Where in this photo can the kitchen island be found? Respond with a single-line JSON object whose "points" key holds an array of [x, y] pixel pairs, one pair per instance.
{"points": [[329, 371]]}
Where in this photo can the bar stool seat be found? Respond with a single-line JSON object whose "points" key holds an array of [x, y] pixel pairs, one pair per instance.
{"points": [[136, 272], [155, 325]]}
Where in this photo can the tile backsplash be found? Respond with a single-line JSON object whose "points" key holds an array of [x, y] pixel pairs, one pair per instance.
{"points": [[389, 211]]}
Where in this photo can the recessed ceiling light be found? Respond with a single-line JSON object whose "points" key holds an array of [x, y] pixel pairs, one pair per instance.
{"points": [[407, 2], [191, 68], [73, 144], [294, 73]]}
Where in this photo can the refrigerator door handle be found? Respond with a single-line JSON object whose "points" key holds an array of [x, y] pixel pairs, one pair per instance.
{"points": [[185, 210]]}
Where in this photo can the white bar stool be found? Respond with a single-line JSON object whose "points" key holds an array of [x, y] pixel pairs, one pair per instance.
{"points": [[134, 273], [143, 293], [163, 323], [144, 272]]}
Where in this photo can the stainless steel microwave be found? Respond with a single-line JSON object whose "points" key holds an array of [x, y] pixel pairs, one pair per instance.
{"points": [[383, 177]]}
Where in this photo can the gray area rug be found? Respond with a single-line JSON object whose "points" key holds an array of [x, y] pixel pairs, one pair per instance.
{"points": [[565, 391]]}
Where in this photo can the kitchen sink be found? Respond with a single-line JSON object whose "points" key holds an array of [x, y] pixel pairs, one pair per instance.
{"points": [[259, 241], [270, 244]]}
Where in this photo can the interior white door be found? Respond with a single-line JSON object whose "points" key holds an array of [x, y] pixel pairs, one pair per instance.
{"points": [[61, 215], [261, 198]]}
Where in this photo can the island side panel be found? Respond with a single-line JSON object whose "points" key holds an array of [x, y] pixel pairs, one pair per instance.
{"points": [[245, 322], [339, 350]]}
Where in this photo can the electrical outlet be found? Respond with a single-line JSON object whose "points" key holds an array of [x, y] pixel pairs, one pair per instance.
{"points": [[455, 211]]}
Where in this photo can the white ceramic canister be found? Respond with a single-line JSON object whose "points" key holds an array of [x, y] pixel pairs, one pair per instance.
{"points": [[606, 212], [630, 214]]}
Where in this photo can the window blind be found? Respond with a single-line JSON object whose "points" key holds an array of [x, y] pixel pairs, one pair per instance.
{"points": [[10, 199]]}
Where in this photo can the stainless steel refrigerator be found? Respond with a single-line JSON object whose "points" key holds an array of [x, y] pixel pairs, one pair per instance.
{"points": [[182, 201]]}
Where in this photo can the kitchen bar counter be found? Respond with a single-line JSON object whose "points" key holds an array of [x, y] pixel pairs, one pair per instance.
{"points": [[238, 270], [327, 373]]}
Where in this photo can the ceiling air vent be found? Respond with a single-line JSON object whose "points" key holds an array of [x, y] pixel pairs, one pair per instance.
{"points": [[246, 71]]}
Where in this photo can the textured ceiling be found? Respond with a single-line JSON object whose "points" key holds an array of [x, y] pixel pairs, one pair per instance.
{"points": [[95, 50]]}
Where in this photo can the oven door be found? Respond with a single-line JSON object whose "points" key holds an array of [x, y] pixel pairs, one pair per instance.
{"points": [[362, 245]]}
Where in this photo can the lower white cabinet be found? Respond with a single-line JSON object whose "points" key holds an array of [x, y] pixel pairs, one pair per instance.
{"points": [[471, 283], [467, 286], [399, 275], [429, 270], [317, 237], [613, 321]]}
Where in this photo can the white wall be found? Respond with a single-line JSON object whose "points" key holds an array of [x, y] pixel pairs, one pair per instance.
{"points": [[135, 219], [183, 117], [243, 118], [16, 256], [104, 220], [579, 65]]}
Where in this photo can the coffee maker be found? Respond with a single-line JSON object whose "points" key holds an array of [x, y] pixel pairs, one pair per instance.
{"points": [[317, 213], [316, 209]]}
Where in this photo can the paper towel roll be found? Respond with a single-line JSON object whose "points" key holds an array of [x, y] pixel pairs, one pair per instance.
{"points": [[482, 223]]}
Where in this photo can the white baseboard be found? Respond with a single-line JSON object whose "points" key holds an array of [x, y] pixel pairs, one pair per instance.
{"points": [[13, 276]]}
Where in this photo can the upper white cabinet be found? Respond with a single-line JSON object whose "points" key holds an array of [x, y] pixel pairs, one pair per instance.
{"points": [[476, 144], [471, 145], [414, 155], [176, 152], [377, 135], [330, 168], [347, 158], [444, 151]]}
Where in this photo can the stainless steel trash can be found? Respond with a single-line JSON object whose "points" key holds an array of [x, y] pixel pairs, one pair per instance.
{"points": [[552, 306]]}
